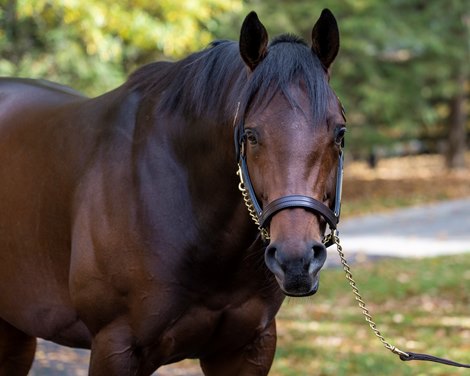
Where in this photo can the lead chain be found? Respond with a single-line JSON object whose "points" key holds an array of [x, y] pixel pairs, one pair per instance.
{"points": [[358, 297], [249, 205]]}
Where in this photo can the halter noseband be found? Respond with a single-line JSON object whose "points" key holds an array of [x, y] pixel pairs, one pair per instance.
{"points": [[262, 216]]}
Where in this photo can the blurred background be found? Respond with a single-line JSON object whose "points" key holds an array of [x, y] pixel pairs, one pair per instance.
{"points": [[402, 72], [403, 76]]}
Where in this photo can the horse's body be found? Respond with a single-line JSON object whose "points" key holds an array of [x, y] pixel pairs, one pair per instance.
{"points": [[121, 226]]}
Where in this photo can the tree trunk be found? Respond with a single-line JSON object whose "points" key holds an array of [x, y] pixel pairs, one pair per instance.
{"points": [[457, 136]]}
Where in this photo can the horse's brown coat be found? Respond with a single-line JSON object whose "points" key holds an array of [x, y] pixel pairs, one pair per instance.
{"points": [[121, 227]]}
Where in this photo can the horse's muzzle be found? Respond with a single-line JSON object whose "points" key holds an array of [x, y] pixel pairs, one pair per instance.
{"points": [[296, 270]]}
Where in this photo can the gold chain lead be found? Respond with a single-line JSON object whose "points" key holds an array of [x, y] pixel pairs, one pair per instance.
{"points": [[249, 205], [358, 297]]}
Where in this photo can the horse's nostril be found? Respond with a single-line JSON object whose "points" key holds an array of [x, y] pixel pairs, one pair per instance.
{"points": [[272, 256], [319, 251], [271, 252], [319, 257], [273, 261]]}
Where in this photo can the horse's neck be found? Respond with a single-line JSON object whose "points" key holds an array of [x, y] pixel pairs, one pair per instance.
{"points": [[209, 158], [192, 163]]}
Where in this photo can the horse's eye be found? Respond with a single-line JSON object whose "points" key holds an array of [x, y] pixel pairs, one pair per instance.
{"points": [[251, 136], [339, 136]]}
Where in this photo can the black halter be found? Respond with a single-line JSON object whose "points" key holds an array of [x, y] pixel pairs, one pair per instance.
{"points": [[262, 216]]}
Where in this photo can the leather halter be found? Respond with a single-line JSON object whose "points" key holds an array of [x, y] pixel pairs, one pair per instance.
{"points": [[262, 216]]}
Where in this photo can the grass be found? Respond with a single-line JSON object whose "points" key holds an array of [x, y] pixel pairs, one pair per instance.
{"points": [[419, 305]]}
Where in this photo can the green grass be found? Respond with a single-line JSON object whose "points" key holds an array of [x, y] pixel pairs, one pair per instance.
{"points": [[418, 305]]}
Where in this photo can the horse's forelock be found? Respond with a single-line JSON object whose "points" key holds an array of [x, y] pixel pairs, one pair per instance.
{"points": [[289, 63]]}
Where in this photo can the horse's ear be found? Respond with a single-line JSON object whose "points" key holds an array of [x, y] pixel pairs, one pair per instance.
{"points": [[325, 38], [253, 41]]}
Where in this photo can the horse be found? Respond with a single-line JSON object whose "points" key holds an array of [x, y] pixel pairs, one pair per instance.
{"points": [[122, 227]]}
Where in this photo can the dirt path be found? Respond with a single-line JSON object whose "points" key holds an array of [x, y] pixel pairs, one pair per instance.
{"points": [[55, 360]]}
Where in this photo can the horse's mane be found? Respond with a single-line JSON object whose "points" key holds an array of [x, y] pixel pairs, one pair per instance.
{"points": [[215, 79]]}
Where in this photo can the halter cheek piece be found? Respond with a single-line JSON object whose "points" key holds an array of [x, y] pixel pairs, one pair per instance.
{"points": [[262, 216]]}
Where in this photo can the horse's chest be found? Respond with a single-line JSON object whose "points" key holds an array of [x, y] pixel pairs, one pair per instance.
{"points": [[201, 330]]}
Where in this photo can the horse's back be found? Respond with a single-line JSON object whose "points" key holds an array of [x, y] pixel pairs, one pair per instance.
{"points": [[22, 84]]}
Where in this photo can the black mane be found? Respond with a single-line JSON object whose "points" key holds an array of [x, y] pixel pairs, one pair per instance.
{"points": [[195, 84], [214, 80]]}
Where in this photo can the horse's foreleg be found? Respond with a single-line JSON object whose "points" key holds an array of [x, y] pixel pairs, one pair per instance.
{"points": [[254, 359], [113, 352], [16, 351]]}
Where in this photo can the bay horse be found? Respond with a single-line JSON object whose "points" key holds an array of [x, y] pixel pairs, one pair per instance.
{"points": [[122, 228]]}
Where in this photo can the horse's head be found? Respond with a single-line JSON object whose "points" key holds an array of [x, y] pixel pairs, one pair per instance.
{"points": [[289, 137]]}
